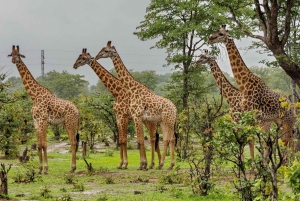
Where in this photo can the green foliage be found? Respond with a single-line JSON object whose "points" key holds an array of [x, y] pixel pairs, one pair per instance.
{"points": [[109, 153], [102, 198], [109, 180], [172, 177], [230, 142], [27, 173], [64, 85], [180, 27], [15, 126], [45, 192], [143, 179], [293, 177], [91, 119], [78, 186], [69, 178], [65, 197]]}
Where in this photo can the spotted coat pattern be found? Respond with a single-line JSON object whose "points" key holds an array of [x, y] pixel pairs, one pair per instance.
{"points": [[256, 94], [144, 106], [121, 107], [47, 108]]}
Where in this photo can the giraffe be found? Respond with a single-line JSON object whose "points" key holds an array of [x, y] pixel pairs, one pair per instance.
{"points": [[256, 94], [47, 109], [144, 105], [120, 107], [232, 95]]}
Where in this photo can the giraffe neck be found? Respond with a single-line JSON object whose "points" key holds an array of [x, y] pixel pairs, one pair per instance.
{"points": [[125, 77], [226, 88], [111, 82], [239, 68], [32, 87]]}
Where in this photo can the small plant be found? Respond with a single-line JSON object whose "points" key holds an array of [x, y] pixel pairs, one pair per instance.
{"points": [[109, 153], [109, 180], [175, 192], [18, 177], [30, 172], [171, 178], [45, 192], [65, 197], [293, 177], [102, 198], [79, 187], [103, 169], [143, 179], [129, 146], [161, 188], [69, 178]]}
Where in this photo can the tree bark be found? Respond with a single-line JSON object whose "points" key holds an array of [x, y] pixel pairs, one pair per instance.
{"points": [[3, 177]]}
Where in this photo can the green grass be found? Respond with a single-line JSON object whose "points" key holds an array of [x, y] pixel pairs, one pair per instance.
{"points": [[106, 183]]}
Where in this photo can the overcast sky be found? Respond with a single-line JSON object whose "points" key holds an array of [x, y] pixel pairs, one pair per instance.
{"points": [[63, 28]]}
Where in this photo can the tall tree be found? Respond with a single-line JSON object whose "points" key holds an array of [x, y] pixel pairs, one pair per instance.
{"points": [[179, 27], [65, 85], [273, 23]]}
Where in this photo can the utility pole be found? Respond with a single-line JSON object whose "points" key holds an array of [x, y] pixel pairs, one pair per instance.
{"points": [[42, 65]]}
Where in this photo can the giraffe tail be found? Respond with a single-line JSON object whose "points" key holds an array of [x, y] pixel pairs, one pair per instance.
{"points": [[77, 134], [156, 140], [77, 141]]}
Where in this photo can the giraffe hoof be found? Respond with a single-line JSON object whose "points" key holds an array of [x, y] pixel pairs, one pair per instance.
{"points": [[119, 167]]}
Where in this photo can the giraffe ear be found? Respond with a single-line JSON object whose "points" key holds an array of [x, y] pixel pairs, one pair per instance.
{"points": [[21, 55], [9, 55]]}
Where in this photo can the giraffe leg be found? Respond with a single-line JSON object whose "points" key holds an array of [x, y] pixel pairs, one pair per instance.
{"points": [[172, 146], [152, 127], [162, 161], [121, 154], [140, 135], [122, 124], [40, 150], [71, 127], [41, 127], [45, 158]]}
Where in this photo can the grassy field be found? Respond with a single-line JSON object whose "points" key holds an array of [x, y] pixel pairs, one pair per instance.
{"points": [[105, 183]]}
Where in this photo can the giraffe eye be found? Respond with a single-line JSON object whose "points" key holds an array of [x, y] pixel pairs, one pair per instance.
{"points": [[221, 34]]}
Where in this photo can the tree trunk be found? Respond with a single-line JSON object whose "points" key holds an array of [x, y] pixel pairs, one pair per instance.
{"points": [[3, 177], [84, 143]]}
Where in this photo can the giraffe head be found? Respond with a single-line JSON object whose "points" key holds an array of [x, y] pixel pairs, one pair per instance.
{"points": [[205, 58], [220, 36], [15, 55], [84, 58], [108, 51]]}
